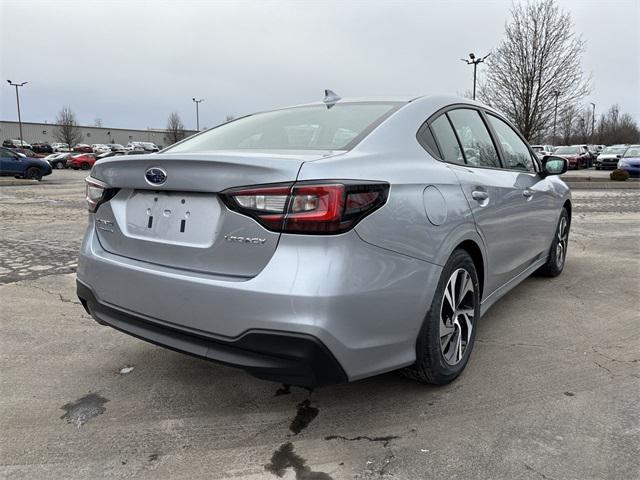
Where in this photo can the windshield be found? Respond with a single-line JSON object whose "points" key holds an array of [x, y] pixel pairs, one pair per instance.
{"points": [[632, 151], [314, 127], [616, 150], [566, 150]]}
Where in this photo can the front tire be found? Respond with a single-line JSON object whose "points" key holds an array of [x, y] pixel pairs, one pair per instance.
{"points": [[558, 251], [33, 173], [448, 333]]}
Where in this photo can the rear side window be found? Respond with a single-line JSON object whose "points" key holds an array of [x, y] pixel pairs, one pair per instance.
{"points": [[315, 127], [516, 155], [449, 146], [479, 150]]}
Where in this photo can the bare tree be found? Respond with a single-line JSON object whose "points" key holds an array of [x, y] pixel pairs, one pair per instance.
{"points": [[229, 118], [567, 123], [540, 54], [615, 127], [175, 128], [66, 130]]}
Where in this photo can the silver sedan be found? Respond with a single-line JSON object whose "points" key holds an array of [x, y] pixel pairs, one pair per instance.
{"points": [[326, 242]]}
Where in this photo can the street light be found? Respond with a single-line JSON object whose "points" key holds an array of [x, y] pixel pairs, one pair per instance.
{"points": [[556, 93], [474, 61], [593, 120], [197, 102], [18, 102]]}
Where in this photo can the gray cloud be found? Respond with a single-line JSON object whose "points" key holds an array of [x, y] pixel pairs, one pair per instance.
{"points": [[132, 63]]}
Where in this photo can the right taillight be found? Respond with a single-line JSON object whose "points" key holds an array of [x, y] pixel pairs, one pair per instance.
{"points": [[308, 207]]}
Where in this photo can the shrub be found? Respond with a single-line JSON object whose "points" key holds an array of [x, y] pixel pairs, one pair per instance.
{"points": [[619, 175]]}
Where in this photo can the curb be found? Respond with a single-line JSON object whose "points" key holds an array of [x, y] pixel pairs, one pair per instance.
{"points": [[590, 185]]}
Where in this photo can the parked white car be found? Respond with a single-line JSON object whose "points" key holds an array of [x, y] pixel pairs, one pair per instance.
{"points": [[100, 148], [60, 147]]}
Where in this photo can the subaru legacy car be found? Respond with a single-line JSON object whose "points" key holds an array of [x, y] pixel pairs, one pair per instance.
{"points": [[326, 242]]}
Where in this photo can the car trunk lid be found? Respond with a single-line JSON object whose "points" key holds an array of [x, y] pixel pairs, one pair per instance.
{"points": [[181, 222]]}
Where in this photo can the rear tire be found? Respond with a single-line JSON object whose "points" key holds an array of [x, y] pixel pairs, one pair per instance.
{"points": [[558, 251], [59, 165], [448, 332], [85, 166]]}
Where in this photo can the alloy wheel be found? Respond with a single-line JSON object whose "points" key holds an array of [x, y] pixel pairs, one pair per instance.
{"points": [[456, 316], [562, 238]]}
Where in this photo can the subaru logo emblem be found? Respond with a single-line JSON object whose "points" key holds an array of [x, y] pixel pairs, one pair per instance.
{"points": [[155, 176]]}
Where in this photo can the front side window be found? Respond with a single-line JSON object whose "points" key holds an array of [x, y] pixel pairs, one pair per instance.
{"points": [[516, 154], [314, 127], [479, 150]]}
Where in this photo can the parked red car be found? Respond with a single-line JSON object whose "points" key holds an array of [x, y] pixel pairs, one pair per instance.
{"points": [[83, 148], [83, 161], [577, 156]]}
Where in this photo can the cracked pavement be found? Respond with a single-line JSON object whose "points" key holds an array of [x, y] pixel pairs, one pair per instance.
{"points": [[551, 390]]}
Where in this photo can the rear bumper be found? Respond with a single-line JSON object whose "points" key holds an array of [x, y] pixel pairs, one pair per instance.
{"points": [[362, 304], [276, 356]]}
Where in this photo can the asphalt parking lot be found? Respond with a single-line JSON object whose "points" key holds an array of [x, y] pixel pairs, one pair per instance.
{"points": [[551, 391]]}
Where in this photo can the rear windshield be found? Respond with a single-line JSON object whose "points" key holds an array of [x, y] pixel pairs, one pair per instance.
{"points": [[566, 150], [316, 127]]}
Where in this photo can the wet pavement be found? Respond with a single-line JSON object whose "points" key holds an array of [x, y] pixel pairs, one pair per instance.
{"points": [[551, 390]]}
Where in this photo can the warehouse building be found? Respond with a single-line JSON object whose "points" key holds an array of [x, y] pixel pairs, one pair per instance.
{"points": [[45, 132]]}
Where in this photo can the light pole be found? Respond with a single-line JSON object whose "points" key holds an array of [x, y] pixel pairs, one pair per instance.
{"points": [[556, 93], [474, 61], [197, 102], [593, 120], [18, 102]]}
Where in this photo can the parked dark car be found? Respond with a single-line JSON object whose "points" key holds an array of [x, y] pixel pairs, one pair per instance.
{"points": [[83, 161], [116, 147], [28, 152], [14, 143], [13, 164], [136, 152], [44, 147], [58, 160]]}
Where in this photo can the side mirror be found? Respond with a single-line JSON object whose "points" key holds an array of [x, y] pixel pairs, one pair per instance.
{"points": [[554, 165], [618, 156]]}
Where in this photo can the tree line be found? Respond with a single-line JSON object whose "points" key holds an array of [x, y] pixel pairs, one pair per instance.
{"points": [[534, 76]]}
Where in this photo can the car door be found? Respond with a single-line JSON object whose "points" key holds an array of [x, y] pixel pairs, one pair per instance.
{"points": [[10, 163], [540, 207], [492, 192]]}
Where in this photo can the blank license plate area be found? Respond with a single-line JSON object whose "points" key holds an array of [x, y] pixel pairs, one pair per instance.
{"points": [[173, 217]]}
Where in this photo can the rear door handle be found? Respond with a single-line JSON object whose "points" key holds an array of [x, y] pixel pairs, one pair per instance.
{"points": [[527, 192], [479, 195]]}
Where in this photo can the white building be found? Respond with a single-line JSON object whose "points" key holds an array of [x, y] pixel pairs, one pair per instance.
{"points": [[44, 132]]}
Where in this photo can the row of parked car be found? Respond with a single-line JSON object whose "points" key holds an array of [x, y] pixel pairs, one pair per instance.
{"points": [[587, 156], [23, 162], [43, 148]]}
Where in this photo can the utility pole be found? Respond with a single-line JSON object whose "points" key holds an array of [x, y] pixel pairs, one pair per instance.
{"points": [[593, 120], [474, 61], [556, 93], [197, 102], [18, 102]]}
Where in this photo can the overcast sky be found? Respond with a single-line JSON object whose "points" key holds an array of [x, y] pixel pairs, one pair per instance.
{"points": [[132, 63]]}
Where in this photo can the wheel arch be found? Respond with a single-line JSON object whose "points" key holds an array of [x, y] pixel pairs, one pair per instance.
{"points": [[567, 206], [474, 251]]}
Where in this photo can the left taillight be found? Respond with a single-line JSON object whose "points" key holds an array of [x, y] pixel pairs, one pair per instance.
{"points": [[308, 207], [97, 193]]}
